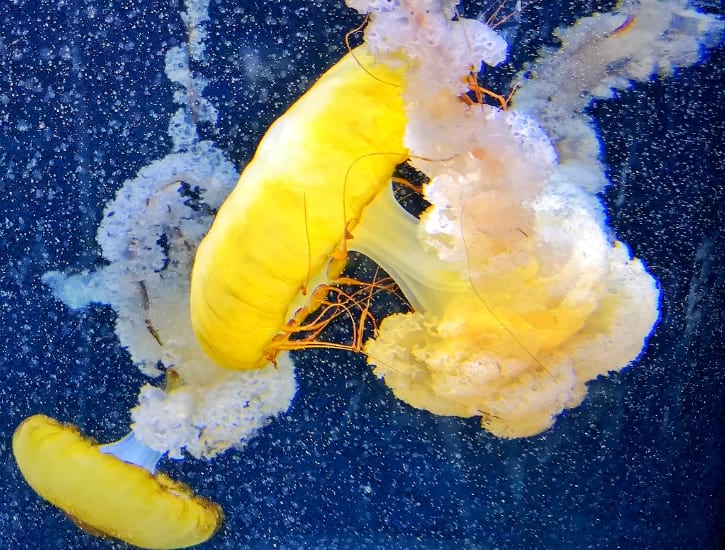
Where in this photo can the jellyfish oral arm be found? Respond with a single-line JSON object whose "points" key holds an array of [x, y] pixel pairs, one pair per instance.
{"points": [[514, 278], [129, 449]]}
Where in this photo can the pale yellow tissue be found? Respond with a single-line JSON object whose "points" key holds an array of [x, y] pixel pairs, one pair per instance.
{"points": [[517, 361]]}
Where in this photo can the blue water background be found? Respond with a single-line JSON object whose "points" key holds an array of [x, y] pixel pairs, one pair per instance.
{"points": [[84, 104]]}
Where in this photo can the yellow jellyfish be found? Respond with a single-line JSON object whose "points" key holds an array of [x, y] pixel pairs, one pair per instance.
{"points": [[507, 307], [106, 494], [513, 280], [520, 296]]}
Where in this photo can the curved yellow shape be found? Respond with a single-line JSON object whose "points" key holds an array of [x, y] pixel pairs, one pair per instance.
{"points": [[107, 495], [314, 171]]}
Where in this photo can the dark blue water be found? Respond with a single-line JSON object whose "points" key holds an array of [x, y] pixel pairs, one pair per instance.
{"points": [[84, 104]]}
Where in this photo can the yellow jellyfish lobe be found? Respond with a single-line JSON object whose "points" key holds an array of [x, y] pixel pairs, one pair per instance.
{"points": [[109, 496], [315, 170]]}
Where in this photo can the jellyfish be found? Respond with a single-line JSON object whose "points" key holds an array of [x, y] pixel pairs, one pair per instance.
{"points": [[519, 293]]}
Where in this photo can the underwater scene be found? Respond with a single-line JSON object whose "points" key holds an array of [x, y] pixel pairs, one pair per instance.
{"points": [[362, 274]]}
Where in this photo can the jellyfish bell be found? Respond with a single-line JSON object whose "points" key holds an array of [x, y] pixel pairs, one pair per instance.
{"points": [[341, 142], [104, 492]]}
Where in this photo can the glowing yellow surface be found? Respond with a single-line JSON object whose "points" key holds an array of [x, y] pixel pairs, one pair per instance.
{"points": [[314, 171], [108, 496]]}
